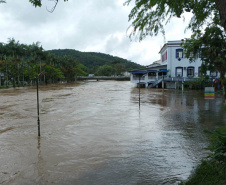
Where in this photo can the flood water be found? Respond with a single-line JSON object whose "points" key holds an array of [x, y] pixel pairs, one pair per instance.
{"points": [[94, 133]]}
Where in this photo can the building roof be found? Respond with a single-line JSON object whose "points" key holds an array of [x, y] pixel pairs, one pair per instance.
{"points": [[171, 43]]}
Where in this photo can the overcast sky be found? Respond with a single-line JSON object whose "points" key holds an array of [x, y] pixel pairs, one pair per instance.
{"points": [[84, 25]]}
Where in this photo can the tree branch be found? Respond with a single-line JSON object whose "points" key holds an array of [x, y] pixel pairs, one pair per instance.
{"points": [[54, 7]]}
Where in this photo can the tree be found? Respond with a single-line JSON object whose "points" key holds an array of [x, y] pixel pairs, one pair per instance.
{"points": [[210, 46], [118, 67], [149, 16], [80, 70], [105, 70], [52, 73], [21, 62]]}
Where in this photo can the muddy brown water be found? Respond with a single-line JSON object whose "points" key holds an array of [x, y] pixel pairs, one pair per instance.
{"points": [[94, 133]]}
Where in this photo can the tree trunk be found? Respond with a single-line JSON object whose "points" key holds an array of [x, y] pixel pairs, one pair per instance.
{"points": [[221, 5]]}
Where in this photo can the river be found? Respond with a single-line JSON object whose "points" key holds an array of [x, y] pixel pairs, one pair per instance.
{"points": [[94, 133]]}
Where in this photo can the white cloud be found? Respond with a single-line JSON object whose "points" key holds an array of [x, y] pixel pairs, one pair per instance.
{"points": [[91, 25]]}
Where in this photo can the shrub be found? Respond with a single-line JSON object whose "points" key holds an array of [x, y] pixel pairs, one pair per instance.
{"points": [[207, 173], [218, 145], [198, 83]]}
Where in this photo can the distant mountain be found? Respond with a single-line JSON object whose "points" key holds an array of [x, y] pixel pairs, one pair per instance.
{"points": [[93, 60]]}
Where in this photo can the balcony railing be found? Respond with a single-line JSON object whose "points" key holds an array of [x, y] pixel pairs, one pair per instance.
{"points": [[137, 78]]}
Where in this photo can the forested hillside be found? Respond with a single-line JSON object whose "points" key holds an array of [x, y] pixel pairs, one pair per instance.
{"points": [[93, 60], [22, 64]]}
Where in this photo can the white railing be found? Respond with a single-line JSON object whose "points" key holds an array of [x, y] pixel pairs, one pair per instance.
{"points": [[152, 77], [156, 82], [137, 78]]}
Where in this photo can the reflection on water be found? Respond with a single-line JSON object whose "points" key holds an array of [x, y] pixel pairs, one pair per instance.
{"points": [[94, 133]]}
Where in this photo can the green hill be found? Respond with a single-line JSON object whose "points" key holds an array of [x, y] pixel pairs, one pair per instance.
{"points": [[93, 60]]}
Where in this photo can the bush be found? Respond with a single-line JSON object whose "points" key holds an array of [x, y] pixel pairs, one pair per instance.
{"points": [[198, 83], [218, 145]]}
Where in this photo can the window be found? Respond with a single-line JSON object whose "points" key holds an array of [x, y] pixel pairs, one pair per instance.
{"points": [[179, 71], [164, 56], [190, 71], [179, 53]]}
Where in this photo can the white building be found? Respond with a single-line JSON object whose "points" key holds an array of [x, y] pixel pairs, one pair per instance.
{"points": [[172, 68]]}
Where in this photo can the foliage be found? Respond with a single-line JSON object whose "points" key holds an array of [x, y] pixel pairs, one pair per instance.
{"points": [[210, 46], [149, 17], [224, 107], [20, 63], [213, 169], [224, 84], [218, 145], [118, 67], [105, 70], [207, 173], [80, 70], [198, 83], [39, 2], [92, 60], [53, 73]]}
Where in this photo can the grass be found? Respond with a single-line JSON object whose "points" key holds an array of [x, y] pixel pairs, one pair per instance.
{"points": [[208, 173], [224, 107], [212, 170]]}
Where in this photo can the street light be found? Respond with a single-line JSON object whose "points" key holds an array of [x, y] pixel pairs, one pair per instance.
{"points": [[40, 74]]}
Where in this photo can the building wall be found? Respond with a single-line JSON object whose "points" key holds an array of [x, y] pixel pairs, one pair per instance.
{"points": [[178, 64], [179, 68]]}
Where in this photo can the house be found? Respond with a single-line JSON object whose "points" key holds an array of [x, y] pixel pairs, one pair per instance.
{"points": [[171, 69]]}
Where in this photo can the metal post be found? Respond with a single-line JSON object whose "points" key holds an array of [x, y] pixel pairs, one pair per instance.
{"points": [[38, 108], [139, 91], [182, 86], [7, 77], [23, 71], [162, 81]]}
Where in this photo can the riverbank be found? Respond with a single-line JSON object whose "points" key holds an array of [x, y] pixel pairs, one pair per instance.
{"points": [[212, 170], [208, 173]]}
